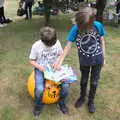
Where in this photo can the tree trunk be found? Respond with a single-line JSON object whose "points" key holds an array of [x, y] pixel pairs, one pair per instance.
{"points": [[47, 5], [100, 5], [80, 0]]}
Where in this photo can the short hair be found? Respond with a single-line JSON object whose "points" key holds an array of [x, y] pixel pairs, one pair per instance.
{"points": [[48, 36], [84, 15]]}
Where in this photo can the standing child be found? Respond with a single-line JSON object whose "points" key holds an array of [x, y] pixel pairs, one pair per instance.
{"points": [[88, 35], [43, 52]]}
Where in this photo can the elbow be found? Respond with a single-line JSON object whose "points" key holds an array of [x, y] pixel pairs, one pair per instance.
{"points": [[30, 61], [102, 38]]}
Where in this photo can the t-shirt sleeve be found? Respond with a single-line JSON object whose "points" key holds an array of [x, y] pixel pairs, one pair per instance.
{"points": [[72, 33], [100, 28], [33, 53]]}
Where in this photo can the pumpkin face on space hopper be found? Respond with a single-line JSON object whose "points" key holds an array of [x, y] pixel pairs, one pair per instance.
{"points": [[51, 93]]}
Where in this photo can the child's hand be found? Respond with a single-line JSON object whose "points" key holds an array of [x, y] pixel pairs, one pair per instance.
{"points": [[62, 80], [41, 68], [56, 65]]}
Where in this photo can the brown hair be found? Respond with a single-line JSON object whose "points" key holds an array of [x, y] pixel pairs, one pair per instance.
{"points": [[85, 17], [48, 36]]}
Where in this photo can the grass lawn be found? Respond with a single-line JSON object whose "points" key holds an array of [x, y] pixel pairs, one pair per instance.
{"points": [[15, 43]]}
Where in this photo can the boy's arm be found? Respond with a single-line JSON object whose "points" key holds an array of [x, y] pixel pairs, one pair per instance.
{"points": [[36, 65], [62, 56], [103, 47]]}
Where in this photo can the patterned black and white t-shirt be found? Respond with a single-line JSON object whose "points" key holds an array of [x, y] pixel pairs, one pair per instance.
{"points": [[89, 47], [88, 44]]}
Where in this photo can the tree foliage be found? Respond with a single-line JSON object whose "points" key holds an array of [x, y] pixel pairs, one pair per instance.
{"points": [[100, 5]]}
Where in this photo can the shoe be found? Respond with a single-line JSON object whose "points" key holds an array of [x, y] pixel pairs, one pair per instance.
{"points": [[63, 109], [3, 25], [91, 107], [80, 101], [36, 111], [8, 21]]}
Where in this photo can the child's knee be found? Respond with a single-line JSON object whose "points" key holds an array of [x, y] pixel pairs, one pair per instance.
{"points": [[39, 91], [64, 88], [94, 84]]}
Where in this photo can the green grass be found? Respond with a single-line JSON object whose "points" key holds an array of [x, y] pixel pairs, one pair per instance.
{"points": [[15, 43]]}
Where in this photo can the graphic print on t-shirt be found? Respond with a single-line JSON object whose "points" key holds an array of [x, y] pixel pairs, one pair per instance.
{"points": [[48, 56], [89, 44]]}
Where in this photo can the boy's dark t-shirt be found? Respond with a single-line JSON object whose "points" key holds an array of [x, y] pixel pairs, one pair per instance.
{"points": [[88, 44]]}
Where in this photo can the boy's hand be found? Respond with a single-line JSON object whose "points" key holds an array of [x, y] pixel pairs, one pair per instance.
{"points": [[62, 80], [41, 68]]}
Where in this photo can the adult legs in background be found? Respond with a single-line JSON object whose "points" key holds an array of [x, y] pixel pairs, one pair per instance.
{"points": [[28, 10], [2, 17]]}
